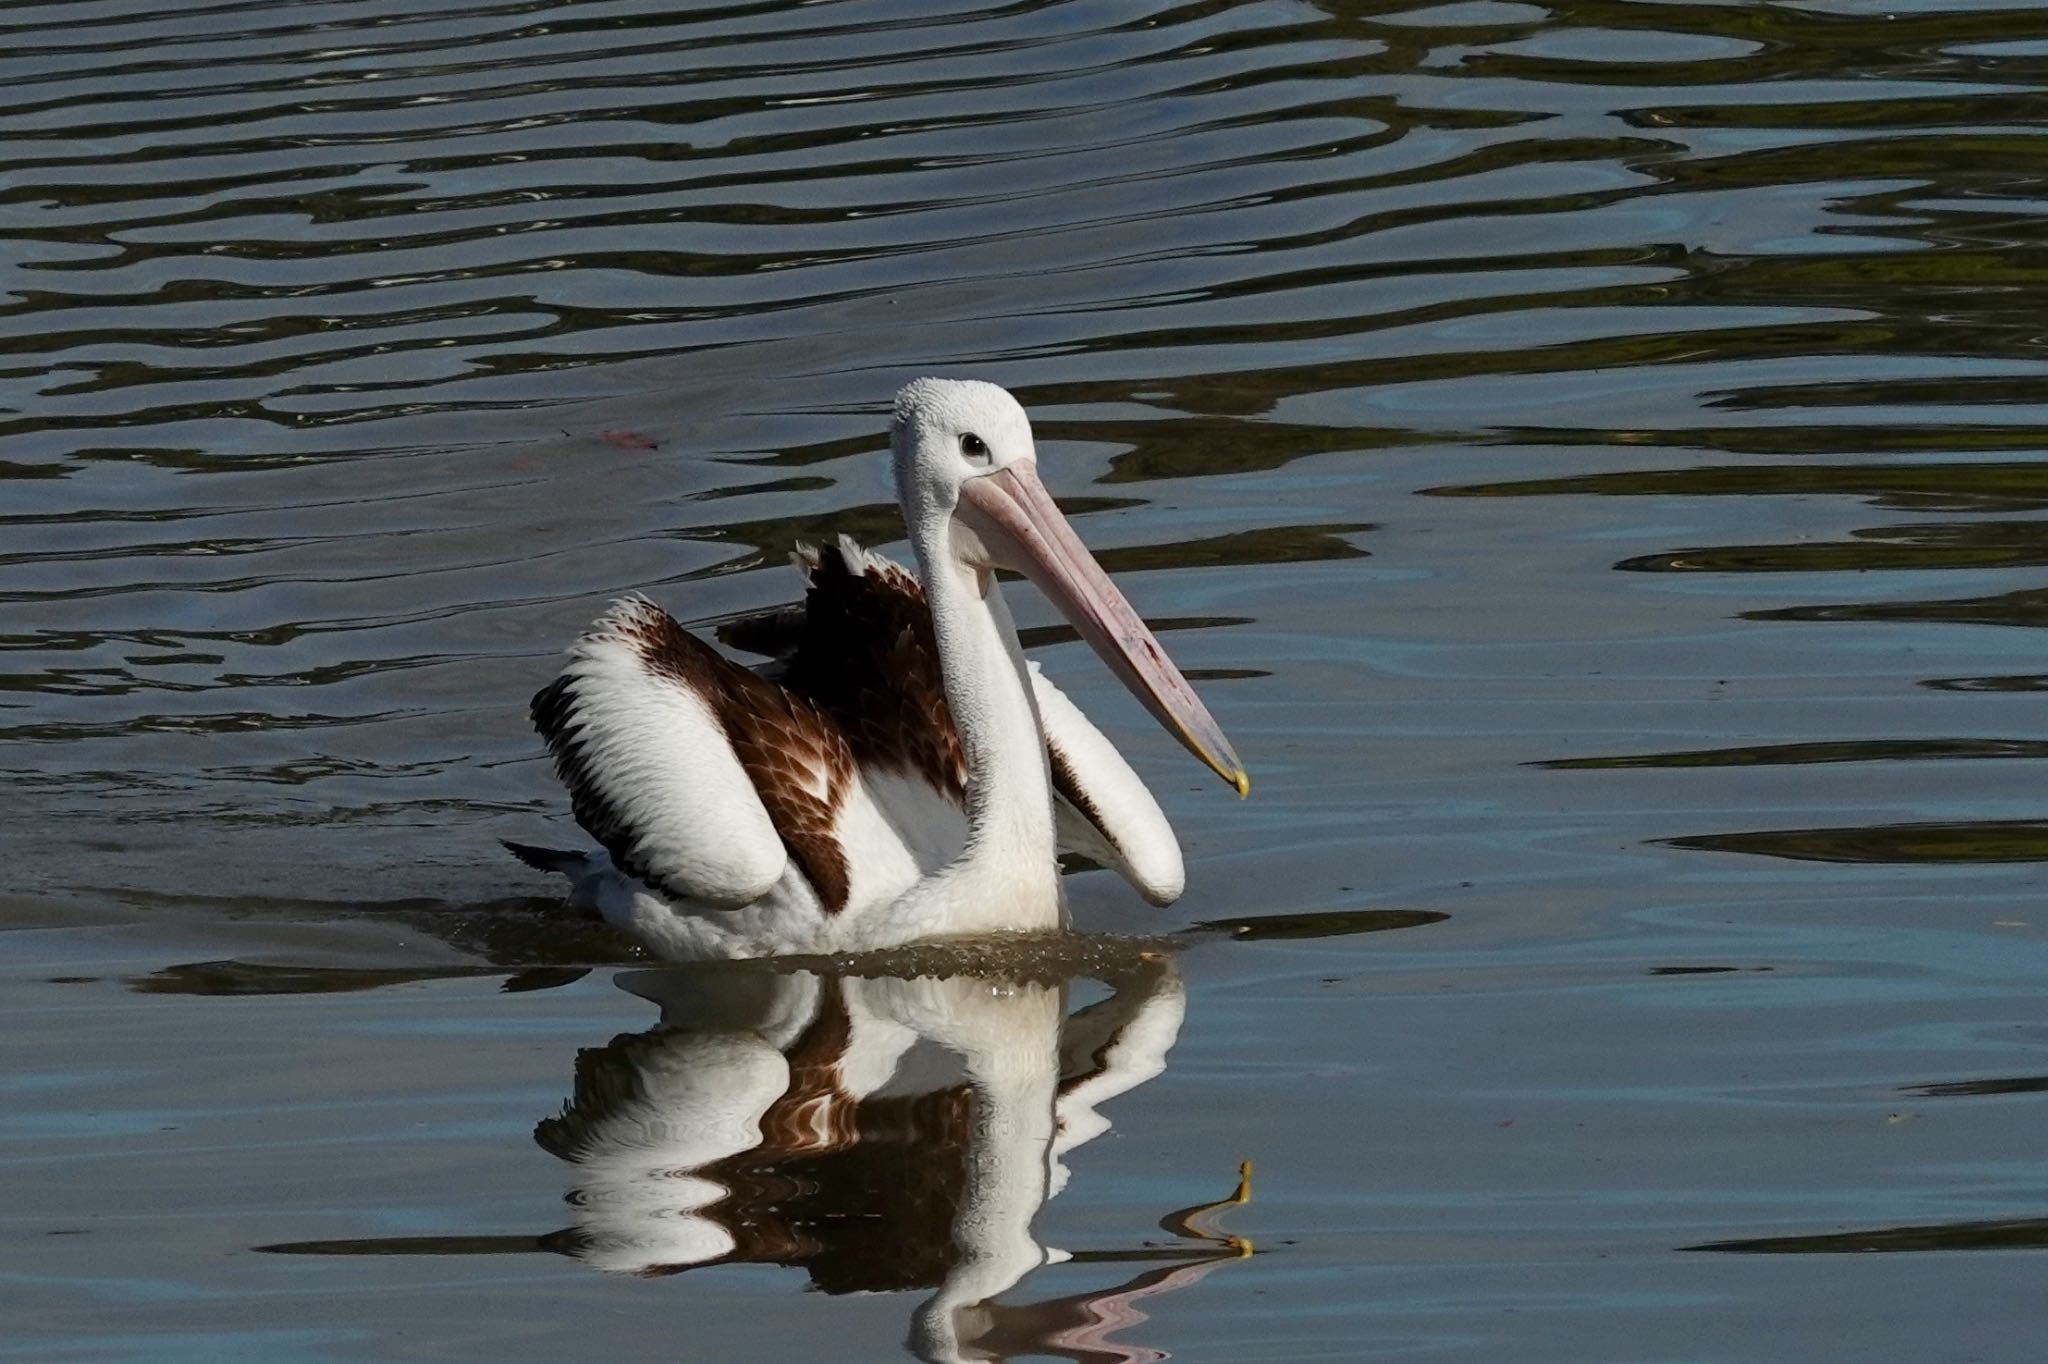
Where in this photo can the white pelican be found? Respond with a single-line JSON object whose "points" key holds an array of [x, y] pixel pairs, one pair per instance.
{"points": [[905, 773]]}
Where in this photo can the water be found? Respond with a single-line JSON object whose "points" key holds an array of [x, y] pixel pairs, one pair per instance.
{"points": [[1593, 452]]}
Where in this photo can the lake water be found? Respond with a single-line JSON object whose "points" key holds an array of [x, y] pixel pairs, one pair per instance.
{"points": [[1596, 453]]}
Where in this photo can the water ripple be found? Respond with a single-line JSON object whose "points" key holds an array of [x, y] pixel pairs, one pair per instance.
{"points": [[357, 351], [354, 352]]}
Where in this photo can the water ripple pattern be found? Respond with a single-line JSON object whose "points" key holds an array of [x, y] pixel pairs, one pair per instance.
{"points": [[356, 350], [1594, 454]]}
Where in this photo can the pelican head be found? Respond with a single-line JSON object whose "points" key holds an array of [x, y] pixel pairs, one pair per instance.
{"points": [[967, 476]]}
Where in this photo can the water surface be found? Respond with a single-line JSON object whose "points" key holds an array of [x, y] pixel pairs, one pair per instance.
{"points": [[1594, 452]]}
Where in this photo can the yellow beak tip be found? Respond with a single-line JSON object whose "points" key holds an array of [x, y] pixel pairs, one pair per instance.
{"points": [[1243, 782]]}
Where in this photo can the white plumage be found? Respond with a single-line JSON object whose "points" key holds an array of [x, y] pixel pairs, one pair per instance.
{"points": [[900, 771]]}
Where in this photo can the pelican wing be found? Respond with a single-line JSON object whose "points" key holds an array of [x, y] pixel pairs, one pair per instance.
{"points": [[862, 649], [863, 652], [1102, 809], [700, 778]]}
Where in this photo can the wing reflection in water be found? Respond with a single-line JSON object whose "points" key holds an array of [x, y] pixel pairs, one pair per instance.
{"points": [[882, 1132]]}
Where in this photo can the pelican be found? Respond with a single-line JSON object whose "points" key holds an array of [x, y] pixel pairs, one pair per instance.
{"points": [[899, 771]]}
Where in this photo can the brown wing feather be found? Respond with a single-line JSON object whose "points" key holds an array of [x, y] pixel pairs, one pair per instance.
{"points": [[772, 634], [868, 657], [863, 650]]}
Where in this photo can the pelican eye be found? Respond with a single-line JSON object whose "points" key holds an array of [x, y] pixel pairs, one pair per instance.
{"points": [[974, 447]]}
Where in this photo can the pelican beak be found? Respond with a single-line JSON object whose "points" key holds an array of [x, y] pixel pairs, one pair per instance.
{"points": [[1017, 521]]}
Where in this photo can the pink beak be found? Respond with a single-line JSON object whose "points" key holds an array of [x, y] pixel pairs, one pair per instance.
{"points": [[1011, 510]]}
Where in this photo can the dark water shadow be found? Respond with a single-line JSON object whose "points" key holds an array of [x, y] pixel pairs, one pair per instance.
{"points": [[1967, 545], [2026, 607], [2008, 682], [1336, 923], [1806, 754], [2029, 1233], [229, 977], [1962, 842], [1960, 1089], [1978, 487], [526, 942], [1041, 636]]}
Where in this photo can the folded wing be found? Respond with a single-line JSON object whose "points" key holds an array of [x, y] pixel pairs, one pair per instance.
{"points": [[698, 777], [1102, 809]]}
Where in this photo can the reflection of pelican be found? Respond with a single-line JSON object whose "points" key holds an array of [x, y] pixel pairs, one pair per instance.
{"points": [[883, 1133], [899, 779]]}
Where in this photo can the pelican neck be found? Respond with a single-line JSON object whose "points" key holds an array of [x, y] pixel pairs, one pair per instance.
{"points": [[988, 689]]}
